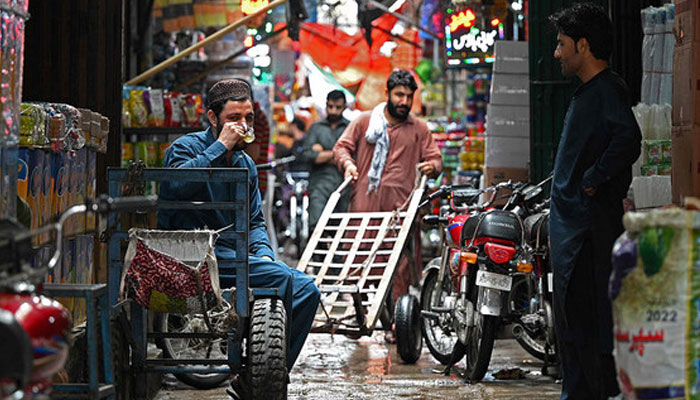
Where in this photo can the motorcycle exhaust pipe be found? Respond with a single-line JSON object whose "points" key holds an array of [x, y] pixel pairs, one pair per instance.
{"points": [[518, 331]]}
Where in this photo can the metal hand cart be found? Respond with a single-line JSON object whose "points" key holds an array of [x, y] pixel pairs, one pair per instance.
{"points": [[352, 257], [227, 357]]}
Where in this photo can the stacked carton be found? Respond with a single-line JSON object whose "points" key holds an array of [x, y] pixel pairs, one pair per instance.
{"points": [[685, 134], [508, 115]]}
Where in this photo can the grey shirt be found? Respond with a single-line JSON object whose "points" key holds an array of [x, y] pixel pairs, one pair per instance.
{"points": [[324, 177]]}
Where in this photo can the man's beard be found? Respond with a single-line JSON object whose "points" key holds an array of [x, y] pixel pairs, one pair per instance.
{"points": [[334, 118], [397, 112], [219, 127]]}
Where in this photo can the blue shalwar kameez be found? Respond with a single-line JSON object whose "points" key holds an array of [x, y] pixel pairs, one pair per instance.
{"points": [[201, 150], [599, 143]]}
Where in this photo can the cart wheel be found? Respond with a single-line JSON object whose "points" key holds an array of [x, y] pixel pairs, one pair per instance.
{"points": [[267, 350], [174, 348], [409, 342]]}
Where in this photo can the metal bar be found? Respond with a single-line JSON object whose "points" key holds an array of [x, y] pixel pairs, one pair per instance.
{"points": [[138, 351], [214, 67], [93, 370], [384, 8], [192, 370], [106, 339], [184, 361], [212, 38], [181, 335], [227, 175], [265, 292]]}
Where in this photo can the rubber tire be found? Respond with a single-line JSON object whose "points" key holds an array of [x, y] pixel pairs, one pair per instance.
{"points": [[197, 381], [476, 371], [266, 372], [431, 281], [409, 342]]}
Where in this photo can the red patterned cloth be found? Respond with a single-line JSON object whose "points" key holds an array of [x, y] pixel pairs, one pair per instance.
{"points": [[150, 270]]}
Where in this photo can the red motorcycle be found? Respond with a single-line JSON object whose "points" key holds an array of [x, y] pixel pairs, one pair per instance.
{"points": [[35, 330]]}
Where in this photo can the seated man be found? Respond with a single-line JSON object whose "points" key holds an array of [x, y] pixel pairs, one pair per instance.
{"points": [[230, 110]]}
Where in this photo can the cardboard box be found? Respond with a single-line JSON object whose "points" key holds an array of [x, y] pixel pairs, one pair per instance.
{"points": [[511, 57], [685, 174], [686, 85], [510, 121], [685, 22], [494, 175], [510, 89], [507, 152]]}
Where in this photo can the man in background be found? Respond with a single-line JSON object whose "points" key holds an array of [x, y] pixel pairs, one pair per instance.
{"points": [[318, 148], [383, 150]]}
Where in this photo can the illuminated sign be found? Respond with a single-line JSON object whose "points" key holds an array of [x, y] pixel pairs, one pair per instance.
{"points": [[465, 18], [470, 37], [250, 6]]}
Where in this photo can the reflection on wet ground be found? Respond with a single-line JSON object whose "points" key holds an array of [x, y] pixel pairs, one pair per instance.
{"points": [[335, 367]]}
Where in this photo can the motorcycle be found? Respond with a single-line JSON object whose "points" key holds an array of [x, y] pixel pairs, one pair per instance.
{"points": [[35, 330], [535, 331], [483, 278]]}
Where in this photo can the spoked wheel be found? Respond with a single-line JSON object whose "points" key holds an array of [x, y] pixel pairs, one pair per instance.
{"points": [[409, 342], [209, 348], [480, 345], [537, 334], [438, 334], [266, 374]]}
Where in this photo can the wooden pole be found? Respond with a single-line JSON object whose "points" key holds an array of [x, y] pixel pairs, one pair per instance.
{"points": [[213, 38]]}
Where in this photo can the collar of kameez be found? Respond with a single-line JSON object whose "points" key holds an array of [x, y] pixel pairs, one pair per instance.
{"points": [[591, 81], [210, 139]]}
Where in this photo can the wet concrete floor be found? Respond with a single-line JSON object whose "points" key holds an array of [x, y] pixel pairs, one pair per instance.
{"points": [[335, 367]]}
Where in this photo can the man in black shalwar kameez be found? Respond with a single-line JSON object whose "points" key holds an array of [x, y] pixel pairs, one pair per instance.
{"points": [[592, 172]]}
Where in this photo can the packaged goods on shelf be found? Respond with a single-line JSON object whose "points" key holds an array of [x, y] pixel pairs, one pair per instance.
{"points": [[144, 107], [657, 54]]}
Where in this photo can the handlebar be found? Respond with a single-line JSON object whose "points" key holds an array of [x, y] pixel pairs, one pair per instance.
{"points": [[102, 205], [275, 163]]}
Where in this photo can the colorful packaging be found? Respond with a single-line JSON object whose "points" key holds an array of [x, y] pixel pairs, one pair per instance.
{"points": [[666, 151], [139, 110], [23, 172], [650, 170], [655, 292], [154, 100], [665, 169], [192, 109], [78, 177], [36, 173], [147, 152], [46, 195], [126, 113], [127, 154], [653, 152], [161, 154], [173, 109], [91, 188], [59, 176]]}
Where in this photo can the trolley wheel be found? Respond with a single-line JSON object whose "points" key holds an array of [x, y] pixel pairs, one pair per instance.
{"points": [[409, 341], [267, 350]]}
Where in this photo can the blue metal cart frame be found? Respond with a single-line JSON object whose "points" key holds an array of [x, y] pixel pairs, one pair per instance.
{"points": [[237, 234]]}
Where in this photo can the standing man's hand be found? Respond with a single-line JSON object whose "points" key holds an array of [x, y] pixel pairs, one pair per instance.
{"points": [[427, 168], [590, 191], [317, 147], [351, 170]]}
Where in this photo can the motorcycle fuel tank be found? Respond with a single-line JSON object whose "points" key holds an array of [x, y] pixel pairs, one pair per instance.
{"points": [[48, 325], [454, 228], [498, 225]]}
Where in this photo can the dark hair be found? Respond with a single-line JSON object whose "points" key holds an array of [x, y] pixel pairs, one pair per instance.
{"points": [[401, 77], [335, 95], [589, 21], [300, 124]]}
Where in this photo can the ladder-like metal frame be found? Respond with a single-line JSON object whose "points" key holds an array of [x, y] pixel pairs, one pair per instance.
{"points": [[352, 258]]}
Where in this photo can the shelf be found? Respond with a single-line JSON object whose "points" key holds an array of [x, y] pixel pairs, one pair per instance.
{"points": [[161, 131]]}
